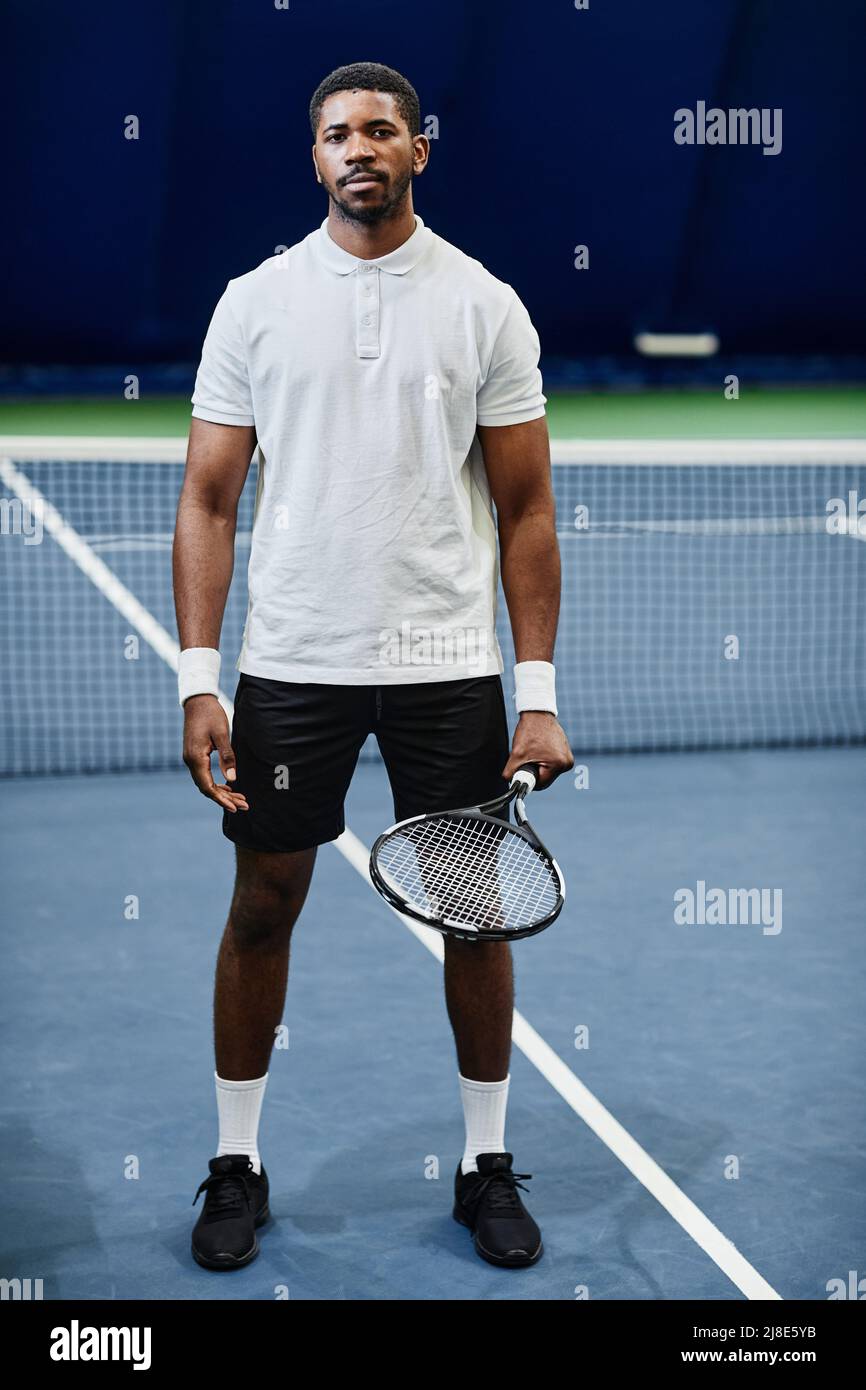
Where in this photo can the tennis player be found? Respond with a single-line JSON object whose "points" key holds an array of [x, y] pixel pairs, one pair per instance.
{"points": [[391, 386]]}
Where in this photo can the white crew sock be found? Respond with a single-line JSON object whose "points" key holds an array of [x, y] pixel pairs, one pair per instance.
{"points": [[484, 1105], [239, 1105]]}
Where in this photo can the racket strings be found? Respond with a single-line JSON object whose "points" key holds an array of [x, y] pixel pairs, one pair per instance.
{"points": [[469, 871]]}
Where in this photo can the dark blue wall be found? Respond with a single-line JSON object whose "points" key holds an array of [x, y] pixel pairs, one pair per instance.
{"points": [[556, 127]]}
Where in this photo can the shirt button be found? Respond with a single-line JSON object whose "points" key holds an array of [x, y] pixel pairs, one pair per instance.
{"points": [[366, 320]]}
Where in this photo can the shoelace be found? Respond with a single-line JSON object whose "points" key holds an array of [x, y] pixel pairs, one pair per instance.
{"points": [[227, 1192], [501, 1191]]}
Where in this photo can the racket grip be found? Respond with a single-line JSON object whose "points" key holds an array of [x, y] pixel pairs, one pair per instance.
{"points": [[525, 776]]}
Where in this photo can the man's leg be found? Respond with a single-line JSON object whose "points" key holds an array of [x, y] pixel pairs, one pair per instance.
{"points": [[250, 989], [295, 747], [479, 993], [253, 962], [251, 975], [445, 744]]}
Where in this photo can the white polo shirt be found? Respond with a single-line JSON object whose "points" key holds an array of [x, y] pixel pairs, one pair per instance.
{"points": [[373, 557]]}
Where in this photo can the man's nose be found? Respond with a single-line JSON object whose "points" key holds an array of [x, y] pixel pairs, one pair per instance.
{"points": [[357, 149]]}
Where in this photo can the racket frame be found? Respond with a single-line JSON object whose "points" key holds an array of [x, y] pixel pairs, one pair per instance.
{"points": [[517, 792]]}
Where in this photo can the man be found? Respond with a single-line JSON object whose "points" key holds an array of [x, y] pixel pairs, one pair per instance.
{"points": [[391, 386]]}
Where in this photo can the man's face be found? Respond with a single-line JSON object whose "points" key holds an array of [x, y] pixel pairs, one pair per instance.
{"points": [[365, 155]]}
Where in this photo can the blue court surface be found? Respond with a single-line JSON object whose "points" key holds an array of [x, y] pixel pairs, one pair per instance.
{"points": [[704, 1141]]}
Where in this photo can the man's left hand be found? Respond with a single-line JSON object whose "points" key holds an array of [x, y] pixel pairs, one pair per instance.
{"points": [[539, 738]]}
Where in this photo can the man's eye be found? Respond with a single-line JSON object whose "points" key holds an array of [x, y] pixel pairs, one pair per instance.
{"points": [[329, 139]]}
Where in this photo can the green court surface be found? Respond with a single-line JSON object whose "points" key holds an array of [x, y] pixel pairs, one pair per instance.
{"points": [[781, 414]]}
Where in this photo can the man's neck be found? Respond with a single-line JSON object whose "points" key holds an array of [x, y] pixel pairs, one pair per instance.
{"points": [[368, 243]]}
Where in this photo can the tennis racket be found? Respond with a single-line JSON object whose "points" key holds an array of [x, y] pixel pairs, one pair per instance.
{"points": [[470, 875]]}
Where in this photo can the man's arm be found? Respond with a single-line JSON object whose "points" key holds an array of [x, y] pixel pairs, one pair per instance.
{"points": [[517, 462], [218, 460]]}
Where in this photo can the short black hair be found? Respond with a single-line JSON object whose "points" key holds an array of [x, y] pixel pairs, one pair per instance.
{"points": [[369, 77]]}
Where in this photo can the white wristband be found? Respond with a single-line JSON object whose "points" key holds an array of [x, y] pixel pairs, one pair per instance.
{"points": [[535, 685], [198, 672]]}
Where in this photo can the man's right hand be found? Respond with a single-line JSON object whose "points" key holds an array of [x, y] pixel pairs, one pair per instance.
{"points": [[206, 730]]}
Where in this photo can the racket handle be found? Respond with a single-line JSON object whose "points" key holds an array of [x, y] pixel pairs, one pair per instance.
{"points": [[525, 776]]}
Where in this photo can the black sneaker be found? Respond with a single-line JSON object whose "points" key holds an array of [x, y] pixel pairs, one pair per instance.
{"points": [[488, 1203], [224, 1237]]}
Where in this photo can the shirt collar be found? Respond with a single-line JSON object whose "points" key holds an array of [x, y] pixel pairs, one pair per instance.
{"points": [[396, 262]]}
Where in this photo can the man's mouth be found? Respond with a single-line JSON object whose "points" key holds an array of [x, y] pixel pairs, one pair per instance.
{"points": [[360, 181]]}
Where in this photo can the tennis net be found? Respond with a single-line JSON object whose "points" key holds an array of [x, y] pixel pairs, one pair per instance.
{"points": [[714, 595]]}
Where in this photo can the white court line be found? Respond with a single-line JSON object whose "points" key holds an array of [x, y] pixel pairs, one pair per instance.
{"points": [[563, 1080], [611, 1133]]}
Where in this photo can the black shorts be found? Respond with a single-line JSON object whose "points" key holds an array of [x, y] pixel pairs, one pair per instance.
{"points": [[444, 744]]}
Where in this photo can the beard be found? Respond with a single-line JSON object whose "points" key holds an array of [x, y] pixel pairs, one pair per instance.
{"points": [[389, 206]]}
